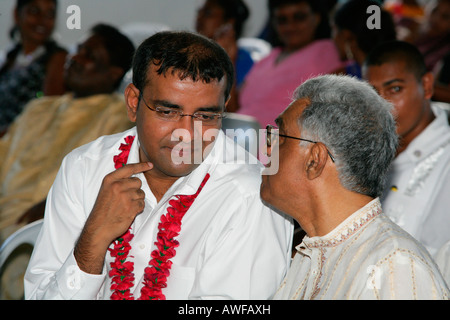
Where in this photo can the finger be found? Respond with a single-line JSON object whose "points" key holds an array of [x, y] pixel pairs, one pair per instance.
{"points": [[132, 169], [140, 194]]}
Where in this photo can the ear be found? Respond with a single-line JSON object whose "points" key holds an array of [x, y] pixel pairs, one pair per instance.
{"points": [[132, 101], [316, 160], [428, 85]]}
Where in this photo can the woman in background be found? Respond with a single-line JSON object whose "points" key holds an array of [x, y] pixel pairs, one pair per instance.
{"points": [[306, 50], [35, 65]]}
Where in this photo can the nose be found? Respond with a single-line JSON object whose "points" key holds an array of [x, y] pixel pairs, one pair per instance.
{"points": [[188, 129]]}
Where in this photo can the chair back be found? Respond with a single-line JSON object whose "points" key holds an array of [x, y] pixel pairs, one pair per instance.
{"points": [[15, 254], [243, 129]]}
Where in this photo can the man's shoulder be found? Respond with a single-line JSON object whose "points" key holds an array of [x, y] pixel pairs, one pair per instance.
{"points": [[101, 147], [390, 239]]}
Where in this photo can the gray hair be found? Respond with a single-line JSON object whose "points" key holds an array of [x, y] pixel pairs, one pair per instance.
{"points": [[355, 124]]}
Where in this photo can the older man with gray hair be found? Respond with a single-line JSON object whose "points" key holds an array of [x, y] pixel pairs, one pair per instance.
{"points": [[335, 143]]}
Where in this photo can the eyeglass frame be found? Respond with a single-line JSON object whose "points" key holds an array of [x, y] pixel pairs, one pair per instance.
{"points": [[269, 132], [220, 115]]}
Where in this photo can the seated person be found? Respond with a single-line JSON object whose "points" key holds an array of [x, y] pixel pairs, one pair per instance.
{"points": [[50, 127], [35, 65], [335, 143], [352, 37], [223, 21], [306, 50], [416, 194]]}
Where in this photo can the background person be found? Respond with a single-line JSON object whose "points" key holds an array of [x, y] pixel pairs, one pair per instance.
{"points": [[34, 66], [416, 195], [223, 21], [50, 127], [306, 50], [352, 37]]}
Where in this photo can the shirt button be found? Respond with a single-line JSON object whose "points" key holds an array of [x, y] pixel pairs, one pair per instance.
{"points": [[142, 246], [417, 153]]}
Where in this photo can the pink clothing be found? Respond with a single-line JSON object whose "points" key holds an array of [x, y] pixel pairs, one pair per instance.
{"points": [[268, 88]]}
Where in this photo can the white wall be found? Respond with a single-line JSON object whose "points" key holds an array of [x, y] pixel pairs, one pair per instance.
{"points": [[177, 14]]}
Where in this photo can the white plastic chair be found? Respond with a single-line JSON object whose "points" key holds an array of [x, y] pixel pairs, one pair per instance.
{"points": [[247, 139], [15, 253], [258, 48]]}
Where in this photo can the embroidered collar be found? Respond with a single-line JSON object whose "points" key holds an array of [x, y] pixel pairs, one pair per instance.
{"points": [[346, 229]]}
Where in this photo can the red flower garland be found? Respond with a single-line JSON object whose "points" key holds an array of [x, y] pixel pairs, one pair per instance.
{"points": [[156, 274]]}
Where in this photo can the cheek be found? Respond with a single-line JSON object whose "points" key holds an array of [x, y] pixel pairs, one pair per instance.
{"points": [[151, 134], [277, 189]]}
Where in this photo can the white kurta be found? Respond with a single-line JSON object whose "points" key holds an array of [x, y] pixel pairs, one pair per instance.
{"points": [[366, 257], [231, 245], [417, 197]]}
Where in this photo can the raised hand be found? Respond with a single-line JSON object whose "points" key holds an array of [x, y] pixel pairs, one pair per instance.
{"points": [[119, 201]]}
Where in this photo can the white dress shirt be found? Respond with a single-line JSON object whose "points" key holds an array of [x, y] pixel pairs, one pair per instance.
{"points": [[417, 196], [367, 256], [231, 245]]}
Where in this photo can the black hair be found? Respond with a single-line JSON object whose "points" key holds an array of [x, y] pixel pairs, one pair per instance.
{"points": [[398, 51], [353, 16], [188, 54], [120, 48], [237, 10]]}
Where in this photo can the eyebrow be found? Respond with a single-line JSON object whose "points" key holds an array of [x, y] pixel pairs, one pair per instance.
{"points": [[387, 83], [167, 104]]}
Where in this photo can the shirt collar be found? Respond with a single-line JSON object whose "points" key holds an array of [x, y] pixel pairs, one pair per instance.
{"points": [[343, 231], [436, 133]]}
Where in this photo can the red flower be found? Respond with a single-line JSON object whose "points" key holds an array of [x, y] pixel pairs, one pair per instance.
{"points": [[121, 159]]}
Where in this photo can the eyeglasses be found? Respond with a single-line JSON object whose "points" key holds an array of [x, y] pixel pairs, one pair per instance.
{"points": [[171, 114], [272, 132]]}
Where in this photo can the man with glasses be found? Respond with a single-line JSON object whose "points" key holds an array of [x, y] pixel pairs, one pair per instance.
{"points": [[335, 143], [127, 219]]}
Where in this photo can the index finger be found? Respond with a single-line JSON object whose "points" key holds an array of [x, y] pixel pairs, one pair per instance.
{"points": [[134, 168]]}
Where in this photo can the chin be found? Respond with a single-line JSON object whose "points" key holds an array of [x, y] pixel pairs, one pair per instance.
{"points": [[178, 170]]}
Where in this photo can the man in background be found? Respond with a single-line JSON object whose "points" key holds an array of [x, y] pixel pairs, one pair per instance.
{"points": [[51, 127], [417, 193]]}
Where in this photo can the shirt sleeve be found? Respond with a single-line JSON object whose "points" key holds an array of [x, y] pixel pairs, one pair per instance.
{"points": [[53, 272], [405, 275]]}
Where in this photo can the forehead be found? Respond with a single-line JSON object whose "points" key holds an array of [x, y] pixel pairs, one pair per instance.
{"points": [[379, 75], [170, 87], [94, 42], [288, 118]]}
